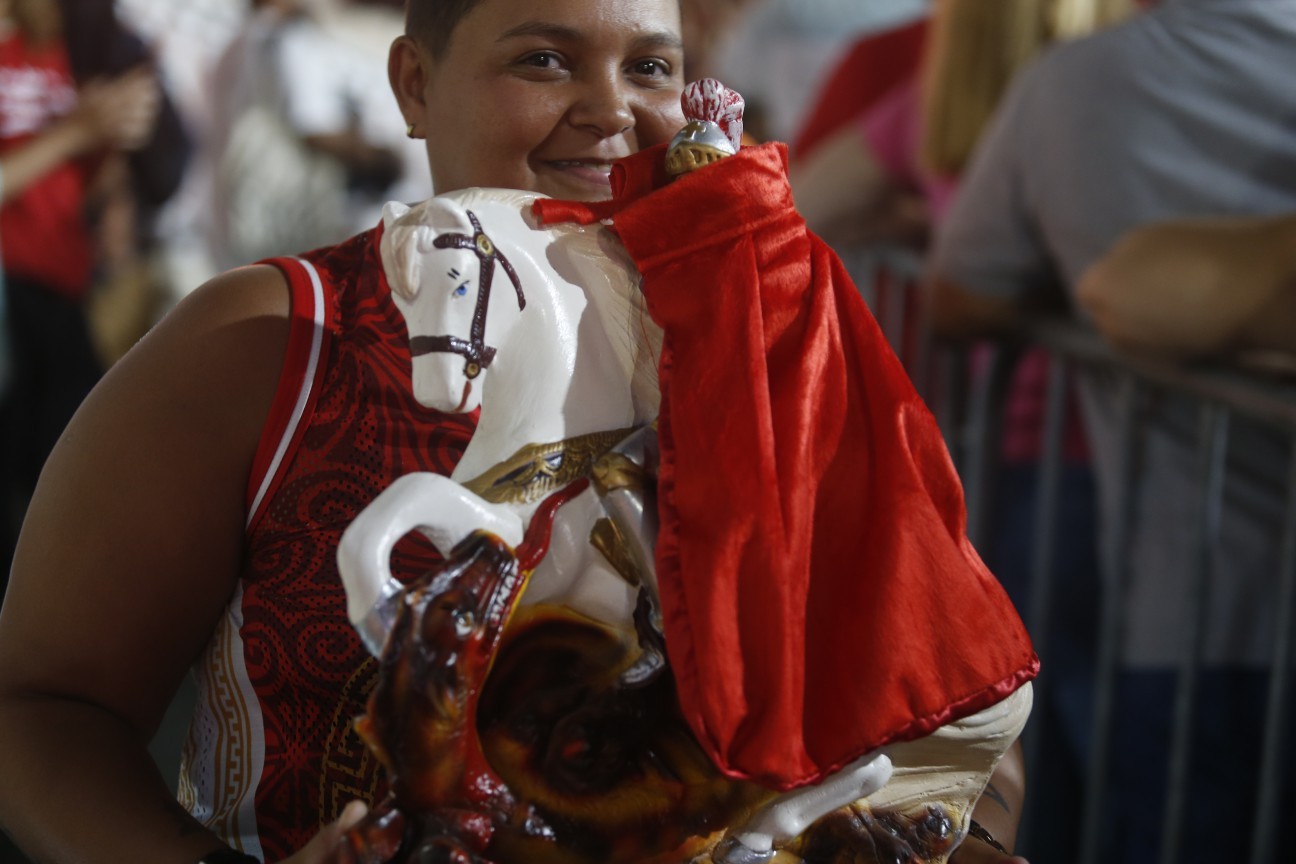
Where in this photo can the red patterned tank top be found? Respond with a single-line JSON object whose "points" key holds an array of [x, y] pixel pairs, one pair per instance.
{"points": [[271, 753]]}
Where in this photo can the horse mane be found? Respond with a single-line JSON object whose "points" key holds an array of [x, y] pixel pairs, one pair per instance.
{"points": [[623, 312]]}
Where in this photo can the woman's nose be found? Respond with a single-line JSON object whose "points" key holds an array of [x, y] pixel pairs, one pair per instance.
{"points": [[604, 107]]}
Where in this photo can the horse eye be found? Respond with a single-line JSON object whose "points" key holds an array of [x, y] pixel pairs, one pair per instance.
{"points": [[461, 290]]}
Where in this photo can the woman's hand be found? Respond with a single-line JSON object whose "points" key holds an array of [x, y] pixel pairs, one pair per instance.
{"points": [[323, 847], [120, 112], [116, 113]]}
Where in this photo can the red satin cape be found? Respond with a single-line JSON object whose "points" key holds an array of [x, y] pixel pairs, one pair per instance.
{"points": [[820, 596]]}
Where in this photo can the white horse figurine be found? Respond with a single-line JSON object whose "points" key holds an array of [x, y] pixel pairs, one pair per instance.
{"points": [[569, 352], [545, 329], [576, 362]]}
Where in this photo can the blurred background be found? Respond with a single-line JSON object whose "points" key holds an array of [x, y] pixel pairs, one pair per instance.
{"points": [[1127, 477]]}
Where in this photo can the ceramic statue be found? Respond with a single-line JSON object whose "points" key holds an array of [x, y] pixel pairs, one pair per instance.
{"points": [[524, 711]]}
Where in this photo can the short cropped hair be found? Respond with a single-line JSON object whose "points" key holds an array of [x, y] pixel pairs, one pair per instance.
{"points": [[432, 22]]}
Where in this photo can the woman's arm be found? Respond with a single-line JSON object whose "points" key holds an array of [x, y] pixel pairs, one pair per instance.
{"points": [[1198, 287], [958, 315], [840, 186], [128, 556]]}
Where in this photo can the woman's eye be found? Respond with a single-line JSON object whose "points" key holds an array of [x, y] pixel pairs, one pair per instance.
{"points": [[461, 290], [543, 60], [651, 68]]}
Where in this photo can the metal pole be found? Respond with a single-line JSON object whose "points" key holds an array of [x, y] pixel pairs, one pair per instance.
{"points": [[1041, 576], [981, 440], [1264, 842], [1212, 450], [1116, 566]]}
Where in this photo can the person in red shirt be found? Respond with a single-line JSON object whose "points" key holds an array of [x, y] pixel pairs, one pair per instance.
{"points": [[54, 142], [873, 66]]}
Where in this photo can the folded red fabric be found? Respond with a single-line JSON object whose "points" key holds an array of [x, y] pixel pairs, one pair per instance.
{"points": [[820, 596]]}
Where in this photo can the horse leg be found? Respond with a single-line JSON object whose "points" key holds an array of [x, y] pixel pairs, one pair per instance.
{"points": [[575, 574]]}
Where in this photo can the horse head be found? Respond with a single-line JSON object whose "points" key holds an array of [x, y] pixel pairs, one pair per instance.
{"points": [[442, 265], [465, 265]]}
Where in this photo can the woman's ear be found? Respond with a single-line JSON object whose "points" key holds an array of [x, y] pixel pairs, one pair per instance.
{"points": [[408, 70]]}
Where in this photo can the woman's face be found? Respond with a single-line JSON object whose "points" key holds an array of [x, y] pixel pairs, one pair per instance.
{"points": [[543, 94]]}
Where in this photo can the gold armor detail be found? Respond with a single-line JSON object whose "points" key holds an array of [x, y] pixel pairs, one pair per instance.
{"points": [[687, 158], [614, 470], [536, 470]]}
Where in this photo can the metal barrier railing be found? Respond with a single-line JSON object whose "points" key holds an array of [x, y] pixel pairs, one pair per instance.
{"points": [[1220, 396], [969, 409]]}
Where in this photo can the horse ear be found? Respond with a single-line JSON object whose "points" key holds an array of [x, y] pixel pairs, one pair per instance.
{"points": [[410, 233], [392, 211], [400, 264], [441, 214], [446, 214], [401, 260]]}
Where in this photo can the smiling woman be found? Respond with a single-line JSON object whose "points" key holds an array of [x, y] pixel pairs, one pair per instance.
{"points": [[209, 476], [541, 96]]}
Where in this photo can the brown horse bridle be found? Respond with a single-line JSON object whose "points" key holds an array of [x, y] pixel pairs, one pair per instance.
{"points": [[476, 353]]}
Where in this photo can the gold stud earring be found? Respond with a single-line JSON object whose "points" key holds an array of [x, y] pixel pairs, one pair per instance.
{"points": [[409, 131]]}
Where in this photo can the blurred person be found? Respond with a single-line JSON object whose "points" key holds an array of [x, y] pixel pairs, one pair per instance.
{"points": [[191, 39], [873, 65], [187, 39], [891, 172], [368, 29], [295, 166], [1176, 114], [779, 52], [127, 290], [133, 190], [57, 147], [195, 542], [99, 45]]}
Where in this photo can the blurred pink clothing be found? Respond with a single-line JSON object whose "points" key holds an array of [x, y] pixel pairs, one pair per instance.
{"points": [[893, 131]]}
